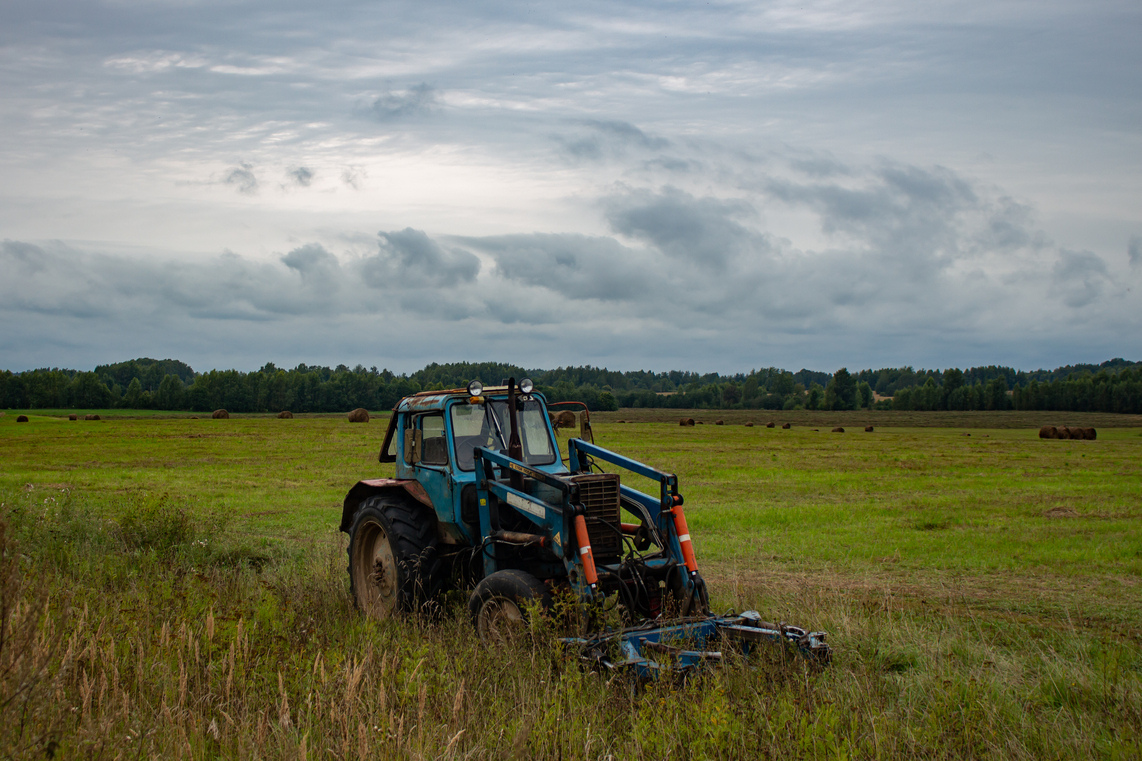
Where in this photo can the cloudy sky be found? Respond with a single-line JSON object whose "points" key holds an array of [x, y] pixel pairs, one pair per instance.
{"points": [[666, 185]]}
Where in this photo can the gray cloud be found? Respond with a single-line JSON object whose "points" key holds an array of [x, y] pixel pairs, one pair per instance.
{"points": [[72, 283], [611, 138], [242, 177], [301, 175], [24, 259], [698, 231], [574, 266], [320, 271], [397, 104], [409, 258], [353, 177], [627, 133], [1134, 250], [1080, 276], [892, 205], [1010, 225], [820, 166]]}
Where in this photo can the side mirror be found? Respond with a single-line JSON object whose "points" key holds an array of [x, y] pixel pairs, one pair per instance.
{"points": [[413, 437]]}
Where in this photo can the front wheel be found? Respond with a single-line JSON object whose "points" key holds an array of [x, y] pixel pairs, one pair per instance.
{"points": [[501, 603]]}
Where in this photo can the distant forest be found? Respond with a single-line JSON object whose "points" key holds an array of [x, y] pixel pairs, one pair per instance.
{"points": [[1113, 386]]}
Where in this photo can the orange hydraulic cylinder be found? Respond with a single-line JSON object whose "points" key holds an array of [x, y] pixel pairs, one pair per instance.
{"points": [[585, 553], [683, 532]]}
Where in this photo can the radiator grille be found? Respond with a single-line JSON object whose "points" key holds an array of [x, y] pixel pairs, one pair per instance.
{"points": [[600, 495]]}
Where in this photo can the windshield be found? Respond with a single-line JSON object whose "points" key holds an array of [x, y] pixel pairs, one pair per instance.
{"points": [[486, 425]]}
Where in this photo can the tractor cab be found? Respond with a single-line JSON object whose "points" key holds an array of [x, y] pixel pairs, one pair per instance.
{"points": [[433, 436]]}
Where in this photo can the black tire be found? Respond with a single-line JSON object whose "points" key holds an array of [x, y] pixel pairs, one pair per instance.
{"points": [[393, 565], [501, 603]]}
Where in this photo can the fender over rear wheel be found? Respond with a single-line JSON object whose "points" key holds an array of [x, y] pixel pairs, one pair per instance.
{"points": [[393, 564], [501, 602]]}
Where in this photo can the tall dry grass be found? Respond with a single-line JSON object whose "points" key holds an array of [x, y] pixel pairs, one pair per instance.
{"points": [[158, 634]]}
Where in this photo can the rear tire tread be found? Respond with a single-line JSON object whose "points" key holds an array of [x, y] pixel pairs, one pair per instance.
{"points": [[413, 540]]}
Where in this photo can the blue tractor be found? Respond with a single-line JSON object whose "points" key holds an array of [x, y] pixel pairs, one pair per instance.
{"points": [[482, 495]]}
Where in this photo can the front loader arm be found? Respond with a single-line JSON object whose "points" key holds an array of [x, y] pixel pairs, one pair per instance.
{"points": [[492, 492], [666, 511]]}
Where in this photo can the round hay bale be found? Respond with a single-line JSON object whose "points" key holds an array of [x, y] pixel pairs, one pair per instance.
{"points": [[749, 425], [564, 419], [22, 419], [686, 421], [285, 415], [786, 426], [771, 424], [1047, 432], [838, 429], [1077, 433], [220, 415], [359, 415], [91, 417], [1090, 434], [1062, 432], [73, 416], [719, 422], [868, 429]]}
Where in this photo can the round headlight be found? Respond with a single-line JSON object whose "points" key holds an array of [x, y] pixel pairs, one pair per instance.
{"points": [[526, 386], [475, 388]]}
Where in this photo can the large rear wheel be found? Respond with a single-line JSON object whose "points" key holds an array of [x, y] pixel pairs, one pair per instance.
{"points": [[392, 555]]}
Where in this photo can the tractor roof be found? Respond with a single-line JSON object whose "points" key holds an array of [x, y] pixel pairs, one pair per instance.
{"points": [[429, 400]]}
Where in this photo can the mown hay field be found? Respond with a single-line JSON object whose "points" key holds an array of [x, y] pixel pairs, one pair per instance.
{"points": [[176, 588]]}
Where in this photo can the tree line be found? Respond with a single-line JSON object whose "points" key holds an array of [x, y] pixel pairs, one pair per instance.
{"points": [[1113, 386]]}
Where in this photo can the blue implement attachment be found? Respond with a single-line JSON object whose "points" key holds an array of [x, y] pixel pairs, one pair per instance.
{"points": [[660, 648]]}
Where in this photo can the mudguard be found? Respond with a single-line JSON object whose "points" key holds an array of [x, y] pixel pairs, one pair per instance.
{"points": [[367, 488]]}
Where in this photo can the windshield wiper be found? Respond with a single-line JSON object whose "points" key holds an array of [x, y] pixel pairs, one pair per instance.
{"points": [[488, 414]]}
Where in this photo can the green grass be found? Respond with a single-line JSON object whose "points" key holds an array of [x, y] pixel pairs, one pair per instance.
{"points": [[176, 587], [283, 479]]}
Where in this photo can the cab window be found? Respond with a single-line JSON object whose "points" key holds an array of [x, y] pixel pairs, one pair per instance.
{"points": [[487, 425], [435, 444]]}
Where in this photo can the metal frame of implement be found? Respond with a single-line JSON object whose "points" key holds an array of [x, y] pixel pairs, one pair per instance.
{"points": [[653, 648]]}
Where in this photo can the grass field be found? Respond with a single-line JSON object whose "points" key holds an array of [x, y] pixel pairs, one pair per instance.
{"points": [[176, 587]]}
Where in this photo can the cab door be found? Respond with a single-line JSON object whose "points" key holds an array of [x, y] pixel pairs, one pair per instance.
{"points": [[428, 452]]}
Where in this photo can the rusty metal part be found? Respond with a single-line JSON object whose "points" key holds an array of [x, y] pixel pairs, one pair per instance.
{"points": [[368, 487], [520, 537]]}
